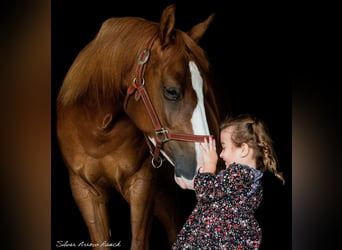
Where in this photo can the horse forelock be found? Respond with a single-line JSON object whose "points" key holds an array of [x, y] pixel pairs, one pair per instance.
{"points": [[183, 50], [185, 47], [103, 69]]}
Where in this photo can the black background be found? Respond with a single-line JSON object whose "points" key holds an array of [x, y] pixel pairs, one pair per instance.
{"points": [[258, 52]]}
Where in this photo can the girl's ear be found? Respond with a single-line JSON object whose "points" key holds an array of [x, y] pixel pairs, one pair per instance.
{"points": [[244, 150]]}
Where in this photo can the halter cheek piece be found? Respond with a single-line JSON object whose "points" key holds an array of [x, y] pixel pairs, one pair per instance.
{"points": [[138, 88]]}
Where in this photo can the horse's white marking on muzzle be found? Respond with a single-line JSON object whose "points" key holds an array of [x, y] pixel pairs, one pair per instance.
{"points": [[184, 183]]}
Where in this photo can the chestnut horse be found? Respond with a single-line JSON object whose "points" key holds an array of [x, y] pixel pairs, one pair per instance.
{"points": [[140, 90]]}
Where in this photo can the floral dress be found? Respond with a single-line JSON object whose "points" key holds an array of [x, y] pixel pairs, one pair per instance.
{"points": [[223, 217]]}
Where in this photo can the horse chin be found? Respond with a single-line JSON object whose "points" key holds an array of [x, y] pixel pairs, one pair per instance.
{"points": [[184, 183]]}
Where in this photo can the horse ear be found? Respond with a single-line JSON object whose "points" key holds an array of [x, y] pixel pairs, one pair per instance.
{"points": [[198, 30], [167, 23]]}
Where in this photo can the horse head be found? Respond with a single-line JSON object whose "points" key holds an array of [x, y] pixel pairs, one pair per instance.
{"points": [[176, 77]]}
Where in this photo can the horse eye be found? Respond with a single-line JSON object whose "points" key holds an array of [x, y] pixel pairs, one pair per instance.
{"points": [[171, 93]]}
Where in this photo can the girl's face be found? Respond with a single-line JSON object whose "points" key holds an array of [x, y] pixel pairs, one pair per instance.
{"points": [[230, 153]]}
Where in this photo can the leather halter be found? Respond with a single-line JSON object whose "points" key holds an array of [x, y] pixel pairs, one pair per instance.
{"points": [[161, 134]]}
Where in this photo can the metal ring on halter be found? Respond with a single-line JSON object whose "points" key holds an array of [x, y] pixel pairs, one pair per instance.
{"points": [[159, 164], [143, 81]]}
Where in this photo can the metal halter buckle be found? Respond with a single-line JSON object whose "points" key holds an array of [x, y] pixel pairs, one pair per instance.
{"points": [[164, 133], [145, 52]]}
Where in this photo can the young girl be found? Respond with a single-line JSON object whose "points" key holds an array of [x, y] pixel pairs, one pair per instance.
{"points": [[224, 214]]}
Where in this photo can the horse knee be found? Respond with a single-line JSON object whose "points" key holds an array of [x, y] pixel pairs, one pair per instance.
{"points": [[90, 199]]}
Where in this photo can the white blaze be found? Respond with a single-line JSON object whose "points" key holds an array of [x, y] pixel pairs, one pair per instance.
{"points": [[198, 120]]}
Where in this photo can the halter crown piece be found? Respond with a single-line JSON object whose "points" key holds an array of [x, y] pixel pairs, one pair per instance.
{"points": [[138, 88]]}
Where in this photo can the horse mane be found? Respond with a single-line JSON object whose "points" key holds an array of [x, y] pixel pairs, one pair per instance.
{"points": [[99, 69]]}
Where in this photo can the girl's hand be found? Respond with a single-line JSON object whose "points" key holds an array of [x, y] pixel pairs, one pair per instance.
{"points": [[210, 157]]}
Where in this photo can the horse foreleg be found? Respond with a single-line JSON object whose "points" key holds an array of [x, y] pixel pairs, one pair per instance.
{"points": [[166, 209], [167, 203], [92, 204], [141, 197]]}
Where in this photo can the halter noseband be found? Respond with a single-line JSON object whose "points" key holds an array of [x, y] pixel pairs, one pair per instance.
{"points": [[161, 135]]}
